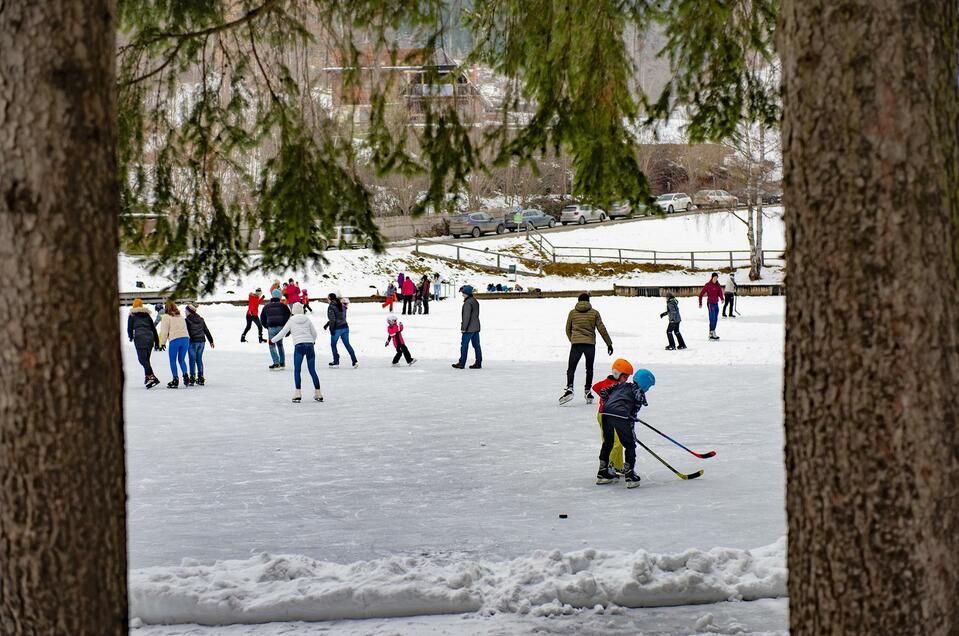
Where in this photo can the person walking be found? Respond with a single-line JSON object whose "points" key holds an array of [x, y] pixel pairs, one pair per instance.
{"points": [[274, 317], [470, 328], [409, 291], [339, 330], [581, 326], [301, 330], [159, 309], [425, 293], [437, 285], [199, 334], [253, 314], [672, 310], [305, 301], [714, 293], [394, 334], [730, 291], [175, 337], [390, 297], [143, 334]]}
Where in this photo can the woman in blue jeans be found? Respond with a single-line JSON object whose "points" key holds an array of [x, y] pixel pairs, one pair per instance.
{"points": [[300, 329], [339, 330], [175, 337]]}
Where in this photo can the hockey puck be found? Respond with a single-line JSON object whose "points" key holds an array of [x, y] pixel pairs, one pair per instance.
{"points": [[563, 516]]}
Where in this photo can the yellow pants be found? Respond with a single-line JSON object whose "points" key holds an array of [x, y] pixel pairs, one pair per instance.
{"points": [[615, 457]]}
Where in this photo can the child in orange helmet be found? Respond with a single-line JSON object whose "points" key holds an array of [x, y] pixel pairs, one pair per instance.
{"points": [[622, 370]]}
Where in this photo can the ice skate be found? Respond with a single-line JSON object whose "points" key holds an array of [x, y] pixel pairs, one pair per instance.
{"points": [[670, 348], [629, 476], [566, 396], [174, 383], [713, 336], [317, 395], [297, 396], [200, 380], [589, 397], [411, 362], [152, 382], [606, 474], [476, 365]]}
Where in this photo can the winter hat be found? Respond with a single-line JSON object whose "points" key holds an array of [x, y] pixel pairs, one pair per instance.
{"points": [[670, 295], [191, 308], [276, 293], [584, 296], [623, 367], [468, 290], [258, 291], [297, 309], [344, 301], [158, 307], [137, 303], [645, 379], [391, 318]]}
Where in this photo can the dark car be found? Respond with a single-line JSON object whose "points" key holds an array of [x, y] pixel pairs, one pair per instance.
{"points": [[475, 224], [532, 217]]}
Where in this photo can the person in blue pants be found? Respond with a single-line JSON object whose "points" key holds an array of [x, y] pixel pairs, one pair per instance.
{"points": [[470, 328], [714, 295], [339, 329], [274, 316], [301, 329], [176, 338], [199, 334]]}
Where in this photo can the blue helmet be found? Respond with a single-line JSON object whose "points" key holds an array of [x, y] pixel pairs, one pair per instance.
{"points": [[468, 290], [645, 379]]}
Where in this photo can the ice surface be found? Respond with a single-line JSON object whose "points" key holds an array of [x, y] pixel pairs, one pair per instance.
{"points": [[452, 470]]}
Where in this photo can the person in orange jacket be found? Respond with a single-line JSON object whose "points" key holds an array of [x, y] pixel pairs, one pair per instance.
{"points": [[622, 370]]}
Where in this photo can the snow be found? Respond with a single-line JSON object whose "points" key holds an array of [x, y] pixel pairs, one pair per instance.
{"points": [[361, 272], [425, 489]]}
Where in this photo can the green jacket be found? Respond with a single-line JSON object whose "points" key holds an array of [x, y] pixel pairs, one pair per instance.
{"points": [[582, 324]]}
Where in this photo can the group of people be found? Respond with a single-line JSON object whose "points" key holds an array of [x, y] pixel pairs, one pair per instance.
{"points": [[414, 298], [183, 337]]}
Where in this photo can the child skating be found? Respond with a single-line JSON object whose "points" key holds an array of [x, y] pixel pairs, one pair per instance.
{"points": [[390, 297], [394, 333], [672, 310], [621, 372], [621, 405]]}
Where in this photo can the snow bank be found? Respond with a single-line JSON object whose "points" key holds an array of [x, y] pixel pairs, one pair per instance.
{"points": [[267, 588]]}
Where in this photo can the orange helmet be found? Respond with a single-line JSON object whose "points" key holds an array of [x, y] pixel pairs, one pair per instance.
{"points": [[623, 366]]}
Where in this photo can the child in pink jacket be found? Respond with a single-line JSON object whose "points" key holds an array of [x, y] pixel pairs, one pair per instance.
{"points": [[394, 332]]}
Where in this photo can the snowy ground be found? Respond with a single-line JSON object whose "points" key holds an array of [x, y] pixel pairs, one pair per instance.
{"points": [[361, 272], [449, 484]]}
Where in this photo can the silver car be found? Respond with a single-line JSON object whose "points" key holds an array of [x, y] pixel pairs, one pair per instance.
{"points": [[475, 224], [581, 213], [674, 201]]}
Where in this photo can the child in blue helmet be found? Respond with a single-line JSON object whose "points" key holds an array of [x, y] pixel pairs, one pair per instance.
{"points": [[621, 404]]}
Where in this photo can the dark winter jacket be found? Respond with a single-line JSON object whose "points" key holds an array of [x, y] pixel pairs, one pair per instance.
{"points": [[274, 313], [672, 310], [140, 328], [623, 400], [582, 324], [336, 316], [471, 321], [196, 327]]}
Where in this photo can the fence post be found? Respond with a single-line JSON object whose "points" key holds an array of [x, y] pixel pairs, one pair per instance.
{"points": [[654, 257], [589, 254], [457, 253], [692, 260], [620, 256], [730, 259], [497, 262], [417, 248]]}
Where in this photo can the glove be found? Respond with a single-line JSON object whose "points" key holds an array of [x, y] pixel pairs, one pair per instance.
{"points": [[326, 326], [212, 346], [609, 349], [386, 344], [163, 347], [662, 315]]}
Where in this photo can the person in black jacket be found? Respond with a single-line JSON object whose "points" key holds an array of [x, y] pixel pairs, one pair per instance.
{"points": [[143, 334], [274, 316], [621, 404], [199, 334], [339, 329]]}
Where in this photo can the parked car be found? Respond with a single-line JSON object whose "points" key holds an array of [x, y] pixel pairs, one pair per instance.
{"points": [[674, 201], [475, 224], [348, 237], [620, 210], [581, 213], [772, 197], [532, 217], [715, 199]]}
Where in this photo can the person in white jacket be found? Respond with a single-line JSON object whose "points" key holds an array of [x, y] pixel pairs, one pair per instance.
{"points": [[300, 328], [175, 337]]}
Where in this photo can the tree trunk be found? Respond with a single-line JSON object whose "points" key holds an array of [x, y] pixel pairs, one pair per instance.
{"points": [[872, 325], [62, 499]]}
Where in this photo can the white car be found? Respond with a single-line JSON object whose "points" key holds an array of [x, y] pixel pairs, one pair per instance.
{"points": [[674, 201], [620, 210], [715, 199], [581, 213]]}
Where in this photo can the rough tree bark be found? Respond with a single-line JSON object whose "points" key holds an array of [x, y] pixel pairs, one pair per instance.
{"points": [[62, 499], [871, 163]]}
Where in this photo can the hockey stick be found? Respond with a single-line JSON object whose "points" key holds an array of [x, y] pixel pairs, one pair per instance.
{"points": [[711, 453], [684, 476]]}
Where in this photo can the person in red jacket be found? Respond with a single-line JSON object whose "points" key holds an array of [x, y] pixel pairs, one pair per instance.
{"points": [[394, 333], [253, 314], [305, 301], [408, 291], [291, 292], [714, 295]]}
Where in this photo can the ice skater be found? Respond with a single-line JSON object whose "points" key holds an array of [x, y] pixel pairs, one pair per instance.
{"points": [[274, 316], [390, 297], [199, 334], [714, 294], [731, 289], [581, 326], [394, 334], [621, 405], [621, 372], [305, 301], [175, 337], [143, 334], [300, 328], [339, 330], [253, 314], [470, 329], [672, 310]]}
